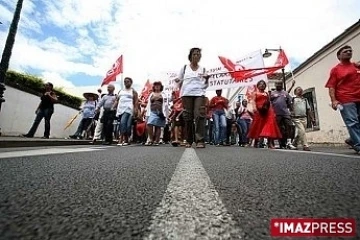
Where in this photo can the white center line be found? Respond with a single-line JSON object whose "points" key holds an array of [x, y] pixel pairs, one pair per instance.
{"points": [[353, 156], [191, 207], [46, 151]]}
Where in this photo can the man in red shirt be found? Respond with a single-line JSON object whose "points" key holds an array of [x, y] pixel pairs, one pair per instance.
{"points": [[218, 105], [344, 91]]}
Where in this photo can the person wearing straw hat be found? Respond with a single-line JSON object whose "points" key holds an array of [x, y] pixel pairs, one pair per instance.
{"points": [[88, 114]]}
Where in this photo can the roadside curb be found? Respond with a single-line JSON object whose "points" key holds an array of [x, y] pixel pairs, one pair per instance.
{"points": [[328, 145]]}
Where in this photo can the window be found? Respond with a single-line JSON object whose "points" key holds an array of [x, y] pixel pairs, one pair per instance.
{"points": [[310, 95]]}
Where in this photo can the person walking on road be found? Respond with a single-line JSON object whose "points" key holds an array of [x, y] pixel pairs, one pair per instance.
{"points": [[156, 114], [107, 102], [44, 110], [98, 133], [127, 108], [244, 119], [344, 92], [88, 114], [193, 82], [218, 105], [281, 102], [264, 122], [300, 111]]}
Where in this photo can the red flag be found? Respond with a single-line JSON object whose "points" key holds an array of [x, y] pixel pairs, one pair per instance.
{"points": [[178, 106], [282, 59], [116, 69], [145, 93], [280, 62]]}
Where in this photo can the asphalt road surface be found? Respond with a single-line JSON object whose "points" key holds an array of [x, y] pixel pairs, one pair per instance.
{"points": [[137, 192]]}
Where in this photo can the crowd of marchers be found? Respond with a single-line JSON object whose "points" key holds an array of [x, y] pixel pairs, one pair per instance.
{"points": [[188, 118]]}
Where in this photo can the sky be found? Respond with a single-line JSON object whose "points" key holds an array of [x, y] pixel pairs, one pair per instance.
{"points": [[73, 43]]}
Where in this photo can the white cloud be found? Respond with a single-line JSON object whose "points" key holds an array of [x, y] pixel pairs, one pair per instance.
{"points": [[57, 79], [155, 36], [69, 87]]}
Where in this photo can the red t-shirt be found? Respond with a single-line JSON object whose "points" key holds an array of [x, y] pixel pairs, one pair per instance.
{"points": [[219, 103], [345, 79]]}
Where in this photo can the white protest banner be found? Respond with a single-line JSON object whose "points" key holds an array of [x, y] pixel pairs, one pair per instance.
{"points": [[221, 76], [169, 84]]}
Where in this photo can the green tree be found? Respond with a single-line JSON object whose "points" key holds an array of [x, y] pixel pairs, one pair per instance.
{"points": [[9, 44]]}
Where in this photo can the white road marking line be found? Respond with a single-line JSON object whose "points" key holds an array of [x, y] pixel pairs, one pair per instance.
{"points": [[46, 151], [191, 207], [101, 147], [320, 153]]}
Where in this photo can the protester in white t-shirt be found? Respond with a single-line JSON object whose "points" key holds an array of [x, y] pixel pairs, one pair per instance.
{"points": [[193, 82]]}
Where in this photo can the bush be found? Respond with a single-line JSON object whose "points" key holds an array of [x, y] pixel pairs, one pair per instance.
{"points": [[35, 85]]}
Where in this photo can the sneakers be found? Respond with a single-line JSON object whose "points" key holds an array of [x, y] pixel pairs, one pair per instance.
{"points": [[124, 144], [291, 147]]}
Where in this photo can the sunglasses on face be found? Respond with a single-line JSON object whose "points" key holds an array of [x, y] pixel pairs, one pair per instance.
{"points": [[347, 51]]}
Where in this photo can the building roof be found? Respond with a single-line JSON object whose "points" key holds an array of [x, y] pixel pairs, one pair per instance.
{"points": [[343, 35]]}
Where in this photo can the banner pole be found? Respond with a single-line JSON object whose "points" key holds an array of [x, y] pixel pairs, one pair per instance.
{"points": [[122, 81]]}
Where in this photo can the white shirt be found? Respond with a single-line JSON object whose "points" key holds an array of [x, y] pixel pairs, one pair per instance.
{"points": [[192, 82], [301, 106], [126, 102], [230, 113]]}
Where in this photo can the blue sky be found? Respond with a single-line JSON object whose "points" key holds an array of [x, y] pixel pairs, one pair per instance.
{"points": [[73, 43]]}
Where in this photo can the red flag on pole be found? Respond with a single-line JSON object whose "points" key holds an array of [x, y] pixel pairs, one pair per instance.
{"points": [[280, 63], [145, 93], [282, 59], [116, 69]]}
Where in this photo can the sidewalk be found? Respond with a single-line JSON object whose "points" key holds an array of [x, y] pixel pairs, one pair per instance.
{"points": [[13, 142]]}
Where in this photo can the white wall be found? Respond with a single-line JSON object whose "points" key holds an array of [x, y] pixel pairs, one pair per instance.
{"points": [[18, 113]]}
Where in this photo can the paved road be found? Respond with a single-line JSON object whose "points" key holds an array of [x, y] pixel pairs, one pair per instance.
{"points": [[169, 193]]}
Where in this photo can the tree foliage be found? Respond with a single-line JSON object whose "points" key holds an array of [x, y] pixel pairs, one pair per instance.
{"points": [[35, 85]]}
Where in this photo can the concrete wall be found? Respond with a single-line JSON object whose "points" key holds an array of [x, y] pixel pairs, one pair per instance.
{"points": [[315, 75], [18, 113]]}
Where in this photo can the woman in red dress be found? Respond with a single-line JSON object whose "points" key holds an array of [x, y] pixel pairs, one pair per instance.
{"points": [[264, 123]]}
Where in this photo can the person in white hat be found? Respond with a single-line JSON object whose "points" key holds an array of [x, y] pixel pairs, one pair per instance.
{"points": [[88, 114]]}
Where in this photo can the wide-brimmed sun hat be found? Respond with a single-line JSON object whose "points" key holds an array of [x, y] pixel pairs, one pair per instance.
{"points": [[89, 94]]}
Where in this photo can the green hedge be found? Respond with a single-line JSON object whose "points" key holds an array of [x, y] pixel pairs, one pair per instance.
{"points": [[35, 85]]}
